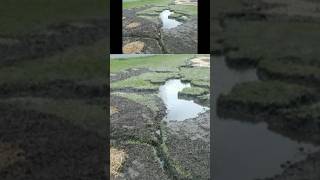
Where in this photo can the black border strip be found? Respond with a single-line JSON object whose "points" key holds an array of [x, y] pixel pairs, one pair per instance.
{"points": [[203, 26], [116, 27]]}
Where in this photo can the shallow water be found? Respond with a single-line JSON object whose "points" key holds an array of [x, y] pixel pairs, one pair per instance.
{"points": [[166, 22], [178, 109], [247, 150]]}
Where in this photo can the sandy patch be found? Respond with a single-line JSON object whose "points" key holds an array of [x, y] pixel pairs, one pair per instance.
{"points": [[113, 110], [133, 25], [117, 157], [201, 62], [187, 2], [135, 47]]}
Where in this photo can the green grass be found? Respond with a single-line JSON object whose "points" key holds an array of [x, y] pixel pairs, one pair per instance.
{"points": [[193, 91], [198, 76], [146, 81], [162, 62], [128, 4], [293, 68], [184, 9], [269, 40], [88, 116], [81, 63], [23, 16], [268, 93], [309, 113]]}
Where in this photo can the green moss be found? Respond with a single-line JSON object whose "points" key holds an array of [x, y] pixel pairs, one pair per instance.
{"points": [[182, 171]]}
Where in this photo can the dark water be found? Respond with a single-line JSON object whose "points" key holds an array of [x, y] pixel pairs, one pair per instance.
{"points": [[178, 109], [246, 151], [166, 22]]}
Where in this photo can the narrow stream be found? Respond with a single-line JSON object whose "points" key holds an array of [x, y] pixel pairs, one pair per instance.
{"points": [[166, 22], [244, 150], [178, 109]]}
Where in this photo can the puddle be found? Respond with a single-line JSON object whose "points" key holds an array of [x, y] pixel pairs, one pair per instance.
{"points": [[178, 109], [249, 151], [166, 22]]}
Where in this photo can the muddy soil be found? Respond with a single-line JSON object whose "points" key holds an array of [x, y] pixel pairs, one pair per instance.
{"points": [[49, 146], [186, 34], [155, 39], [133, 121], [127, 74], [188, 145], [136, 130]]}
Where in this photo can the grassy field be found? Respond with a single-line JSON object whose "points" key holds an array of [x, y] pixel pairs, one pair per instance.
{"points": [[23, 16], [157, 62], [127, 4]]}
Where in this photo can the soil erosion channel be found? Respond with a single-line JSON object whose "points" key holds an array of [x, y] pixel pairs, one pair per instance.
{"points": [[248, 150]]}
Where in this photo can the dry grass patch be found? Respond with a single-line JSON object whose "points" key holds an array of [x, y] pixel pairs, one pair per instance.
{"points": [[117, 158], [133, 25], [201, 62], [113, 110], [186, 2], [135, 47]]}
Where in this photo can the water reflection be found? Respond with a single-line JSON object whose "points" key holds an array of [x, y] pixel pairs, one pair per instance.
{"points": [[178, 109]]}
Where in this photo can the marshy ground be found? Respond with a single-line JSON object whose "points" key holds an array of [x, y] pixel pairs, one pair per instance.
{"points": [[52, 81], [153, 147], [160, 26], [280, 40]]}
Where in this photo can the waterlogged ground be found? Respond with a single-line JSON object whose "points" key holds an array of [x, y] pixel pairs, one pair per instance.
{"points": [[156, 147], [279, 40], [52, 90], [160, 26], [237, 147]]}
